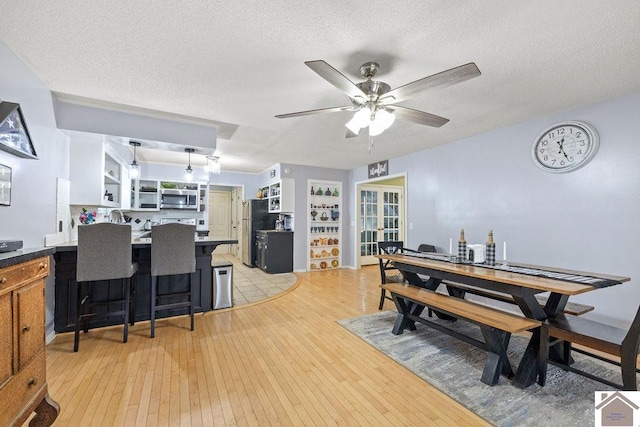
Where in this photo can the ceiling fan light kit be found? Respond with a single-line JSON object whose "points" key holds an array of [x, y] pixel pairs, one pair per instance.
{"points": [[374, 102]]}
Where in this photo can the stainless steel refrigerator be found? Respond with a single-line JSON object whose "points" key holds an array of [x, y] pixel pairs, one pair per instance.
{"points": [[255, 216]]}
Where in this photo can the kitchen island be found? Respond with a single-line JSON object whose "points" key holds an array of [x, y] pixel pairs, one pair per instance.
{"points": [[65, 283]]}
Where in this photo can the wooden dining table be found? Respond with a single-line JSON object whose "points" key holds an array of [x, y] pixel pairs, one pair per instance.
{"points": [[522, 281]]}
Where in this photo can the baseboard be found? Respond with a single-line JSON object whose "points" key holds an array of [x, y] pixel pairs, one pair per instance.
{"points": [[50, 337]]}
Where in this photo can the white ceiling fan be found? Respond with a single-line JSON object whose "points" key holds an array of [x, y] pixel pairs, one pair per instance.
{"points": [[375, 104]]}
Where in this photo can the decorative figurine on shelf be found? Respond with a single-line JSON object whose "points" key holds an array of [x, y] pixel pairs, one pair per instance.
{"points": [[462, 246], [328, 192], [87, 217], [319, 192], [491, 250], [335, 192], [312, 192]]}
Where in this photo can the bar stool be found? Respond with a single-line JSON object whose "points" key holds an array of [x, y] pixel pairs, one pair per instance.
{"points": [[104, 253], [173, 252]]}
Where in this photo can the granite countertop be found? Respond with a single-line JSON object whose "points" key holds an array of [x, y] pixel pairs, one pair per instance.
{"points": [[138, 242], [7, 259]]}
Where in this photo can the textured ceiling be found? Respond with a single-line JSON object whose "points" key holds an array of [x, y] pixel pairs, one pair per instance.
{"points": [[240, 63]]}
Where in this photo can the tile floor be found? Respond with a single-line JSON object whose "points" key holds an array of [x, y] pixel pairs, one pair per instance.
{"points": [[252, 284]]}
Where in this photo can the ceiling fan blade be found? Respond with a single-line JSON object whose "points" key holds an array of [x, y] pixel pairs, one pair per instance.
{"points": [[336, 78], [318, 111], [416, 116], [436, 81]]}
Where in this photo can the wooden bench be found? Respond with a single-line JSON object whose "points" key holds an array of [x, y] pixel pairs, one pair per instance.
{"points": [[496, 325], [565, 330], [571, 307]]}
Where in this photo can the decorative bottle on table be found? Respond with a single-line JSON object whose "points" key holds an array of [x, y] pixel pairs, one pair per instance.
{"points": [[462, 247], [491, 250]]}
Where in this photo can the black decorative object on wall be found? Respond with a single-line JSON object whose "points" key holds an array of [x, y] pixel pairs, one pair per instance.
{"points": [[14, 135]]}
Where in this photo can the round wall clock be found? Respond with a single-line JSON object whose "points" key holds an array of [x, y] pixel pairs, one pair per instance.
{"points": [[565, 146]]}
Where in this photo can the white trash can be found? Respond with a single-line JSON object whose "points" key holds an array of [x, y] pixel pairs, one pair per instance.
{"points": [[222, 286]]}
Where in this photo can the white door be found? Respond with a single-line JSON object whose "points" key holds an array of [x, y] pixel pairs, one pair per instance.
{"points": [[381, 219], [220, 218]]}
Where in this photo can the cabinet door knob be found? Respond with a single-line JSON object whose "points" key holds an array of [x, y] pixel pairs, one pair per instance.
{"points": [[3, 280], [26, 328], [43, 266], [32, 382]]}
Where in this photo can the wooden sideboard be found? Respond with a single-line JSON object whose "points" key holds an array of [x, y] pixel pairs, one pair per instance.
{"points": [[23, 382]]}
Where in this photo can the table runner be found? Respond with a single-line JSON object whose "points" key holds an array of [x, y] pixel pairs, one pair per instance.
{"points": [[597, 282]]}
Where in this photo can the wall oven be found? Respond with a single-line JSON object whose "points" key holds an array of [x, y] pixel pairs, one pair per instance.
{"points": [[171, 198]]}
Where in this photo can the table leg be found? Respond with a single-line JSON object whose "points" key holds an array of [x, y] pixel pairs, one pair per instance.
{"points": [[528, 369]]}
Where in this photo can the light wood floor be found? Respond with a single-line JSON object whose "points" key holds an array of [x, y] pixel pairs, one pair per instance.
{"points": [[284, 361]]}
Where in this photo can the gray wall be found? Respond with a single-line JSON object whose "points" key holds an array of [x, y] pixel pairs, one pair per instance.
{"points": [[585, 220], [302, 174], [32, 213]]}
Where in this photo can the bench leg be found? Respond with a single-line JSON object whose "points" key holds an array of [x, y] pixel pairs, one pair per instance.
{"points": [[497, 360], [401, 320], [543, 356]]}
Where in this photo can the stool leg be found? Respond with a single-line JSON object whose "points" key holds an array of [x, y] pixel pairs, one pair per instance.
{"points": [[86, 301], [127, 302], [191, 309], [76, 338], [154, 290], [132, 312]]}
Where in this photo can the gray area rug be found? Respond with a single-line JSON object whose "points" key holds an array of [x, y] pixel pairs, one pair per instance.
{"points": [[455, 368]]}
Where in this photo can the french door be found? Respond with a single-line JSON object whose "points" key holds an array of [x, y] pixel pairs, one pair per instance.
{"points": [[381, 219]]}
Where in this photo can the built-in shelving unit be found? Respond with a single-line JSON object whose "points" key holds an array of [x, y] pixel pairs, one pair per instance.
{"points": [[324, 224], [280, 195], [98, 176]]}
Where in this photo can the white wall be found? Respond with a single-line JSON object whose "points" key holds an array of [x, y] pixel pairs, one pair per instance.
{"points": [[585, 220], [32, 213]]}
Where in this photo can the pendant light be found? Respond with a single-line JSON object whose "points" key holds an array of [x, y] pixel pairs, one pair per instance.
{"points": [[213, 165], [189, 175], [134, 168]]}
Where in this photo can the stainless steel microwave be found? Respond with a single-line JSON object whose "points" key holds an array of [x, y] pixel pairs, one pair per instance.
{"points": [[171, 198]]}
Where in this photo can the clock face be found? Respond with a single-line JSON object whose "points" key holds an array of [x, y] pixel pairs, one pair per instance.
{"points": [[565, 146]]}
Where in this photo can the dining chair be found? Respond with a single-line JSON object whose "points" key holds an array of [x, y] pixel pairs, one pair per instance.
{"points": [[392, 247], [173, 252], [104, 254], [567, 330]]}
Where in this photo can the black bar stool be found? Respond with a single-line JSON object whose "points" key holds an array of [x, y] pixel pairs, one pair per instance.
{"points": [[173, 251], [104, 253]]}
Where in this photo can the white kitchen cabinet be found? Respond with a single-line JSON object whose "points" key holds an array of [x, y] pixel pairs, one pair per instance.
{"points": [[145, 194], [280, 195], [324, 224], [98, 176]]}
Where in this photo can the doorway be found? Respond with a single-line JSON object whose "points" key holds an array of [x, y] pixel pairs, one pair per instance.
{"points": [[224, 216], [381, 216]]}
